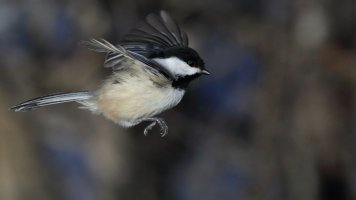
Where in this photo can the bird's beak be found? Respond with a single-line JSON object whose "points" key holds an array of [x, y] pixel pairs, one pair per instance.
{"points": [[205, 72]]}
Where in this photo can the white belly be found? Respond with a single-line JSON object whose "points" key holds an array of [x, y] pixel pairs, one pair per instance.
{"points": [[136, 98]]}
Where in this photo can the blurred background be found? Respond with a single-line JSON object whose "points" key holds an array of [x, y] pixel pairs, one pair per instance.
{"points": [[275, 120]]}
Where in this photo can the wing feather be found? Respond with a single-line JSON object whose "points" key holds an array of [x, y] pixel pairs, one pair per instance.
{"points": [[158, 23], [172, 26], [156, 34], [118, 53]]}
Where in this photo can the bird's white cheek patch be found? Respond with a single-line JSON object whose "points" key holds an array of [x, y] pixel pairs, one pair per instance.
{"points": [[176, 66]]}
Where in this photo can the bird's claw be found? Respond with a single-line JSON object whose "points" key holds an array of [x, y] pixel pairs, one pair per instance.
{"points": [[164, 127], [149, 127], [161, 123]]}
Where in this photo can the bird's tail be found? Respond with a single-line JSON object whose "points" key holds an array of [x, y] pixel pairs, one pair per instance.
{"points": [[52, 99]]}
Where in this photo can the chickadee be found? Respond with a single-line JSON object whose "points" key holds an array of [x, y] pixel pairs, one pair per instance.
{"points": [[152, 67]]}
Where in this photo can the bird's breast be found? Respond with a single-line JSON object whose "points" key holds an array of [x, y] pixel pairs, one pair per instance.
{"points": [[135, 96]]}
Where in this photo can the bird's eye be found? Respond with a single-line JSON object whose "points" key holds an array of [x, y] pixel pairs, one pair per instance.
{"points": [[190, 62]]}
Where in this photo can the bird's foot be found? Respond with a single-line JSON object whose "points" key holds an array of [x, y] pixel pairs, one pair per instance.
{"points": [[159, 121]]}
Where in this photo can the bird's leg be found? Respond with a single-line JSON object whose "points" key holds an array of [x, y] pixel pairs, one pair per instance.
{"points": [[155, 120]]}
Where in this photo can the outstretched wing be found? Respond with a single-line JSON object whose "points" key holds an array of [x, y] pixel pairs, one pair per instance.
{"points": [[155, 34], [104, 46]]}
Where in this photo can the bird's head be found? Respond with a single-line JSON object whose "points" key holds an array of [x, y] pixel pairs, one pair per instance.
{"points": [[181, 62]]}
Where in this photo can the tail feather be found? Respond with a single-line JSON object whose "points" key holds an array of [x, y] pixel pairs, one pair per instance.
{"points": [[51, 99]]}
